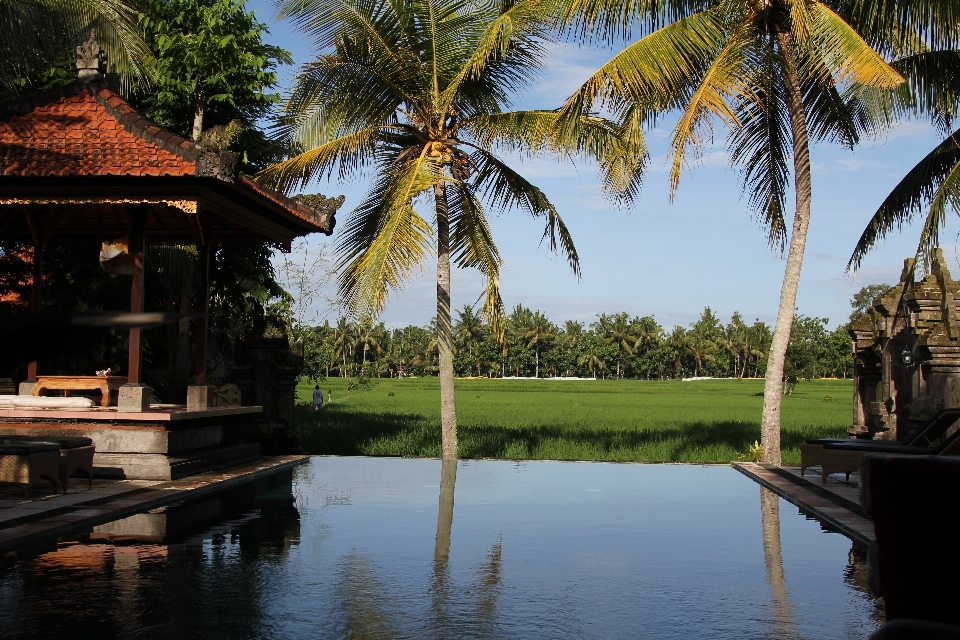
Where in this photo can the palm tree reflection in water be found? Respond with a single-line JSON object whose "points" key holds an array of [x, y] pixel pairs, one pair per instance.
{"points": [[781, 609], [370, 610], [488, 591]]}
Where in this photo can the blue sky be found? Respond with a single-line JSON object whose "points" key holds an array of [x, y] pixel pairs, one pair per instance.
{"points": [[667, 259]]}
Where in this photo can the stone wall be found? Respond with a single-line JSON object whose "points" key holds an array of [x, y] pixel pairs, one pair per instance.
{"points": [[266, 371]]}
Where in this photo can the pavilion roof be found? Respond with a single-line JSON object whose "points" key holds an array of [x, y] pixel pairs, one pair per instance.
{"points": [[79, 153]]}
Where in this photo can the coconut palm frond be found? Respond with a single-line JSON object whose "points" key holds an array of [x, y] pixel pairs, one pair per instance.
{"points": [[726, 80], [325, 22], [932, 82], [385, 240], [653, 73], [893, 26], [761, 145], [506, 189], [846, 54], [345, 155], [947, 196], [931, 180], [497, 45], [620, 150], [472, 246]]}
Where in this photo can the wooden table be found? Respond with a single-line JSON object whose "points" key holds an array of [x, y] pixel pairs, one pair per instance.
{"points": [[105, 384]]}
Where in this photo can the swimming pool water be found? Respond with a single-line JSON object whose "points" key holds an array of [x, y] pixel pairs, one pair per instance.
{"points": [[409, 548]]}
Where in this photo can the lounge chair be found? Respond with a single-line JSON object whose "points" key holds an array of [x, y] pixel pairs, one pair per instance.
{"points": [[811, 451], [76, 454], [845, 457], [25, 463]]}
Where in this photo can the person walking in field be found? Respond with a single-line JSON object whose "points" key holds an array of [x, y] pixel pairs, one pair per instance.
{"points": [[317, 398]]}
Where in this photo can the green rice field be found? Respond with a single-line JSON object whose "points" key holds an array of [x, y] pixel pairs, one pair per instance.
{"points": [[614, 420]]}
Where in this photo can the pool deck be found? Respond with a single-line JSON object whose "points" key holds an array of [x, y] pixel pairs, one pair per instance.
{"points": [[24, 521], [835, 503]]}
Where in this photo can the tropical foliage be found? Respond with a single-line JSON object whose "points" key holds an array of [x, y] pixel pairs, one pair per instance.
{"points": [[417, 93], [211, 64]]}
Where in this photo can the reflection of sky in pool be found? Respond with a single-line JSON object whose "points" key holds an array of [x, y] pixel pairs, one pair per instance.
{"points": [[535, 549]]}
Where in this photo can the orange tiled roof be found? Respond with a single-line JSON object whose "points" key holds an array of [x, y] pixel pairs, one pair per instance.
{"points": [[87, 130]]}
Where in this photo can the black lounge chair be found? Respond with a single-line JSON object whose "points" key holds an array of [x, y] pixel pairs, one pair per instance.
{"points": [[935, 431], [76, 454], [845, 457]]}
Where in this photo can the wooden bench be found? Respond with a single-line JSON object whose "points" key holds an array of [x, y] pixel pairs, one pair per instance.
{"points": [[105, 384]]}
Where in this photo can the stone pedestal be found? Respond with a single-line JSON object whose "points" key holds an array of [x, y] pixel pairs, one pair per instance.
{"points": [[133, 398], [201, 396], [26, 388]]}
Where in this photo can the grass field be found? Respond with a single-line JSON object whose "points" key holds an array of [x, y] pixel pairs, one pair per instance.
{"points": [[706, 421]]}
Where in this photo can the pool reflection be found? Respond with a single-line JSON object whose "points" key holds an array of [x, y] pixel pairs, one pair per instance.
{"points": [[150, 574], [348, 548]]}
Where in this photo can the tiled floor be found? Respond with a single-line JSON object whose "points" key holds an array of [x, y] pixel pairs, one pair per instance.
{"points": [[23, 521], [836, 503]]}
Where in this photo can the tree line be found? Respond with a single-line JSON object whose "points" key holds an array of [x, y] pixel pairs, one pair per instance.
{"points": [[614, 346]]}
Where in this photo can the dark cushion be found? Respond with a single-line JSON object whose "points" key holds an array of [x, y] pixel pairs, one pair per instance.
{"points": [[828, 440], [27, 448], [64, 442], [873, 446]]}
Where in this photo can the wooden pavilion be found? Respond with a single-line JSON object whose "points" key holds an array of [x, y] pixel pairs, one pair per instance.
{"points": [[78, 164]]}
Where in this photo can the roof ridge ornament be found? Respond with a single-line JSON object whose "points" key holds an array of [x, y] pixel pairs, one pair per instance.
{"points": [[90, 58]]}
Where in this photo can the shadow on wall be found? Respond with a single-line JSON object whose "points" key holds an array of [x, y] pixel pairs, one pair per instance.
{"points": [[334, 431]]}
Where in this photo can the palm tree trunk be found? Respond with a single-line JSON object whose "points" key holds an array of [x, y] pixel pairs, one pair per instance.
{"points": [[448, 401], [537, 372], [773, 384], [773, 556]]}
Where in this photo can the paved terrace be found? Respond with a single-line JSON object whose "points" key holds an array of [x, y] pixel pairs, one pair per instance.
{"points": [[835, 503], [45, 516]]}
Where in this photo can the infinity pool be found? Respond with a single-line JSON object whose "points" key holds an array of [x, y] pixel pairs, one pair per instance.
{"points": [[408, 548]]}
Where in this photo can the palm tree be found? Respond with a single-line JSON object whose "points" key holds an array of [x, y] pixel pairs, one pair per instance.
{"points": [[469, 331], [772, 71], [416, 91], [539, 333], [677, 347], [366, 339], [44, 33], [591, 360], [341, 343], [703, 337], [618, 330]]}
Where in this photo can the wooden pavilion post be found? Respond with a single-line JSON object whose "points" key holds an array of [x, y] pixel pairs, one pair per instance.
{"points": [[134, 396], [203, 304], [36, 234], [37, 280], [200, 395], [135, 243]]}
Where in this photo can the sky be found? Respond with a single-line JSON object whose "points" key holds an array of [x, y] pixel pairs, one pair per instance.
{"points": [[669, 260]]}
